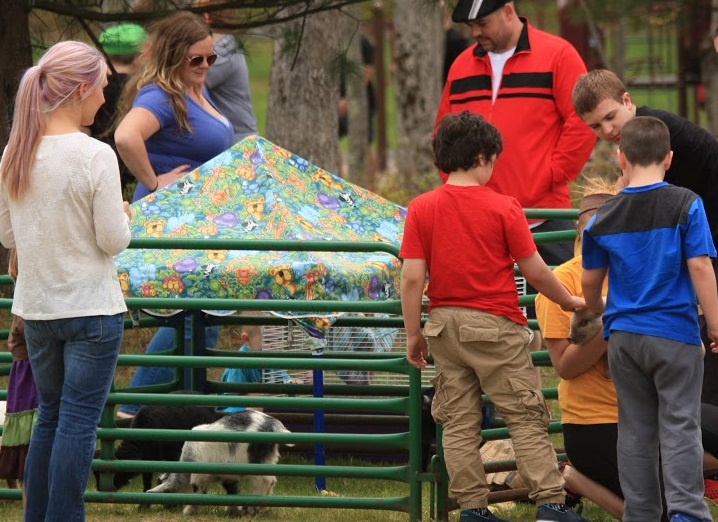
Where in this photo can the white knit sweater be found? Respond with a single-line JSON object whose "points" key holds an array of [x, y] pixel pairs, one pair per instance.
{"points": [[66, 230]]}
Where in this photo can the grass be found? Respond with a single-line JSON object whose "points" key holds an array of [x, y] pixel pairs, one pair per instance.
{"points": [[293, 486], [286, 486], [298, 486]]}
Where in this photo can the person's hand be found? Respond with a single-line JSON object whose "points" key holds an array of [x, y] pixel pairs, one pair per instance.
{"points": [[128, 212], [573, 304], [712, 332], [173, 175], [417, 351]]}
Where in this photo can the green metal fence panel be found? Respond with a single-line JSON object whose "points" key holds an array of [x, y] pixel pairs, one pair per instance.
{"points": [[408, 402], [401, 400]]}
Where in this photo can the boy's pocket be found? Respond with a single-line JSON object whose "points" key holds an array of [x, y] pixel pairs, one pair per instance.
{"points": [[531, 400], [433, 328], [471, 333]]}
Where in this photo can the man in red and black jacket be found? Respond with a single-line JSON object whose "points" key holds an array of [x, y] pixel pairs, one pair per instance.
{"points": [[520, 79]]}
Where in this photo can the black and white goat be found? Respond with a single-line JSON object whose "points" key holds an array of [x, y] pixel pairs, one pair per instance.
{"points": [[228, 453], [164, 418]]}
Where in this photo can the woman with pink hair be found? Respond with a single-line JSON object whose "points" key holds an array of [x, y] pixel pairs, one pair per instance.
{"points": [[61, 208]]}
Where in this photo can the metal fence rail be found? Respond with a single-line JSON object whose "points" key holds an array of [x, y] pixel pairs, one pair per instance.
{"points": [[398, 395]]}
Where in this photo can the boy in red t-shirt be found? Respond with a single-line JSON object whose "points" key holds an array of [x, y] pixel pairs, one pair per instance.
{"points": [[467, 237]]}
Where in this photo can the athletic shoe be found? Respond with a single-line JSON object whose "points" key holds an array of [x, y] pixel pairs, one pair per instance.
{"points": [[557, 513], [682, 517], [711, 489], [479, 515]]}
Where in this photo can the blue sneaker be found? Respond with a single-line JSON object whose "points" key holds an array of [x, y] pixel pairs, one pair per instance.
{"points": [[479, 515], [557, 513], [682, 517]]}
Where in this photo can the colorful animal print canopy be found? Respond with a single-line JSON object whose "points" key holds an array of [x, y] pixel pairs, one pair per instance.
{"points": [[257, 190]]}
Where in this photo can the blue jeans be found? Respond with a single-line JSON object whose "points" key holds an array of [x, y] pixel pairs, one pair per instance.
{"points": [[164, 340], [73, 361]]}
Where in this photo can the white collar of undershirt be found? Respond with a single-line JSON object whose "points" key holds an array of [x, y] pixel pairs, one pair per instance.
{"points": [[498, 60]]}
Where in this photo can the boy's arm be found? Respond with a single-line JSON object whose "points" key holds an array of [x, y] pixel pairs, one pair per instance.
{"points": [[540, 276], [413, 277], [571, 360], [568, 359], [703, 278], [592, 283]]}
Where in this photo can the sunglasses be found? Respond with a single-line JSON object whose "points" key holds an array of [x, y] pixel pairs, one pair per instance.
{"points": [[196, 61]]}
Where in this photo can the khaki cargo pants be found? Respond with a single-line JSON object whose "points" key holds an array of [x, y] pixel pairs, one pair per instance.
{"points": [[478, 352]]}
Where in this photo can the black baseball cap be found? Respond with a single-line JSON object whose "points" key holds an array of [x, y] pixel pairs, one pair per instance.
{"points": [[470, 10]]}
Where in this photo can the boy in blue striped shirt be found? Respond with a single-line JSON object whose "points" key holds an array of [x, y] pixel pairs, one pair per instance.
{"points": [[653, 241]]}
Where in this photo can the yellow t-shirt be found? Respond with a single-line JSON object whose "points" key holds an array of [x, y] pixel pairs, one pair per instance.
{"points": [[589, 398]]}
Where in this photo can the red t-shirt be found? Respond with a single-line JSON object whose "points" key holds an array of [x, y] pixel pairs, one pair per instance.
{"points": [[469, 238]]}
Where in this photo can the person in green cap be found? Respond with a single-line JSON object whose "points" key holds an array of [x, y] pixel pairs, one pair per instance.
{"points": [[121, 44]]}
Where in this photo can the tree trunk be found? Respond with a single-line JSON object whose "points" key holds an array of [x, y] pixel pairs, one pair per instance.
{"points": [[304, 90], [419, 48], [358, 107], [15, 58]]}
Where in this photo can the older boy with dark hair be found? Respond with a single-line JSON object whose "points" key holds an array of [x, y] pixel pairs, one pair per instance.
{"points": [[601, 100], [467, 236], [653, 241]]}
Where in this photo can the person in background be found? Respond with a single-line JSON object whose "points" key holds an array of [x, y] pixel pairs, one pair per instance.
{"points": [[520, 79], [454, 42], [162, 341], [359, 339], [228, 79], [251, 337], [653, 241], [601, 100], [121, 44], [477, 334], [587, 398], [171, 126], [61, 208], [21, 399], [367, 58]]}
